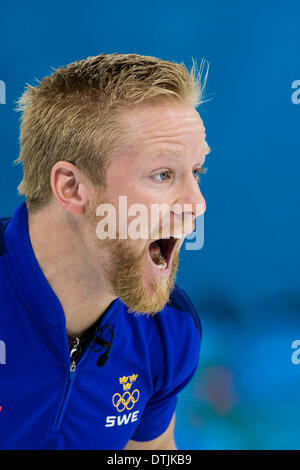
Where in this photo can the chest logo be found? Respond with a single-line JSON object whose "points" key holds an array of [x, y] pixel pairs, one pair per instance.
{"points": [[128, 399], [125, 400]]}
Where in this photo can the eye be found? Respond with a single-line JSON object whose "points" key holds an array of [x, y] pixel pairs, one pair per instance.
{"points": [[199, 171], [166, 175], [161, 173]]}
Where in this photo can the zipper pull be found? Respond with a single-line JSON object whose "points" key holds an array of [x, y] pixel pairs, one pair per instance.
{"points": [[75, 347], [73, 362], [72, 369]]}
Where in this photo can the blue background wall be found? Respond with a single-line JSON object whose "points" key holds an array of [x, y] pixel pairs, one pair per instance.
{"points": [[245, 281]]}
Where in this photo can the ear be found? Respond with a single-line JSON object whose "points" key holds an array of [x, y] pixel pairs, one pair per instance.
{"points": [[70, 187]]}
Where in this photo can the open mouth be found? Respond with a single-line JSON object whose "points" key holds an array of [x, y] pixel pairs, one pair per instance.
{"points": [[161, 251]]}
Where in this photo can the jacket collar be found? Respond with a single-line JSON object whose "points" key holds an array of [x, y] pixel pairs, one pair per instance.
{"points": [[30, 281]]}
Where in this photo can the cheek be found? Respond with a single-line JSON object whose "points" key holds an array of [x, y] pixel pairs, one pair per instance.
{"points": [[129, 251], [133, 209], [135, 203]]}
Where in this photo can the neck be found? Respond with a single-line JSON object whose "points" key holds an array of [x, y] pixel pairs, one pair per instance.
{"points": [[61, 253]]}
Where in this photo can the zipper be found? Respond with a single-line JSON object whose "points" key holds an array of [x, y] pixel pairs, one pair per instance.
{"points": [[72, 371]]}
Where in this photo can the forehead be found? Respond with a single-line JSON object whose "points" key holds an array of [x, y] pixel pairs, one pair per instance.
{"points": [[158, 123]]}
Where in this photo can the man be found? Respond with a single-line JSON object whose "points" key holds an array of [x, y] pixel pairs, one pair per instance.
{"points": [[99, 338]]}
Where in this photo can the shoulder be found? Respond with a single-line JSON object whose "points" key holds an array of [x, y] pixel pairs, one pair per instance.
{"points": [[179, 320], [173, 340], [176, 341], [180, 301], [178, 315], [178, 311]]}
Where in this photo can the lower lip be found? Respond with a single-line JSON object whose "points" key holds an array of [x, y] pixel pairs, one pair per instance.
{"points": [[163, 272]]}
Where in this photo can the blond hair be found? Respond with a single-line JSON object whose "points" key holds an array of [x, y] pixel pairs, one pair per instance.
{"points": [[72, 115]]}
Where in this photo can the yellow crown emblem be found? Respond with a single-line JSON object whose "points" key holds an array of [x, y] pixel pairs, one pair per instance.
{"points": [[133, 377], [130, 379], [127, 386], [123, 379]]}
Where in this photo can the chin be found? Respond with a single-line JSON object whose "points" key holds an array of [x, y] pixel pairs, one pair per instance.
{"points": [[141, 286], [154, 295]]}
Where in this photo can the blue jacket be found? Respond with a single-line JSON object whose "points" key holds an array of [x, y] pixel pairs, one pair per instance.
{"points": [[44, 403]]}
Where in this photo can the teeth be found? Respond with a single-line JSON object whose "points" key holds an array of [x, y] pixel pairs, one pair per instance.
{"points": [[162, 264]]}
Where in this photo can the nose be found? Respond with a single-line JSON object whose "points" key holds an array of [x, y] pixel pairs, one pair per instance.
{"points": [[189, 204], [189, 199]]}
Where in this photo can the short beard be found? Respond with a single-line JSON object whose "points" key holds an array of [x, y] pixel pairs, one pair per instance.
{"points": [[125, 277], [124, 270]]}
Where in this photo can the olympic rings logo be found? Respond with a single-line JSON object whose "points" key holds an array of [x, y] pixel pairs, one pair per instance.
{"points": [[127, 400]]}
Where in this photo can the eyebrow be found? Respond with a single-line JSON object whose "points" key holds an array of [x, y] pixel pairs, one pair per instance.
{"points": [[168, 152]]}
